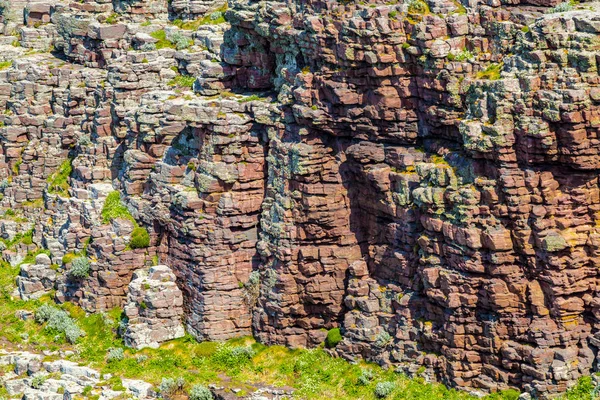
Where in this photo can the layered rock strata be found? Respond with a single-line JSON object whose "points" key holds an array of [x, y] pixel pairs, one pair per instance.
{"points": [[422, 175]]}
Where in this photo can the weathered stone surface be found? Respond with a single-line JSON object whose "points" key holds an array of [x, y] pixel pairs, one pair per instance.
{"points": [[154, 308], [427, 181]]}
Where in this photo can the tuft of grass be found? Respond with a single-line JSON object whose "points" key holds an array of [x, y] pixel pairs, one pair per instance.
{"points": [[253, 97], [114, 208], [214, 18], [58, 182], [492, 72], [183, 81], [162, 41], [5, 65], [418, 7]]}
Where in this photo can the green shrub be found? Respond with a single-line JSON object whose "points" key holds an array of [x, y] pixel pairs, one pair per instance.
{"points": [[230, 358], [58, 321], [384, 389], [334, 336], [80, 268], [115, 354], [181, 41], [183, 81], [114, 208], [38, 381], [200, 392], [365, 377], [562, 7], [170, 387], [418, 7], [5, 65], [140, 239]]}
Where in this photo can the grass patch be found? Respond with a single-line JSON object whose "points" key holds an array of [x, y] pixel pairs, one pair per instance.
{"points": [[114, 208], [183, 81], [214, 18], [492, 72], [162, 41], [58, 182], [5, 65]]}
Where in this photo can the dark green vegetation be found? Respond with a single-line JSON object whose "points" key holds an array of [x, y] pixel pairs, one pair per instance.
{"points": [[140, 239], [312, 373]]}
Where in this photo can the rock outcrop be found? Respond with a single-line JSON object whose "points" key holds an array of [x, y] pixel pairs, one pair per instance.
{"points": [[423, 175], [154, 308]]}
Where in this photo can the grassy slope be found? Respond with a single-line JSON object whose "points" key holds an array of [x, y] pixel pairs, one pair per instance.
{"points": [[312, 373]]}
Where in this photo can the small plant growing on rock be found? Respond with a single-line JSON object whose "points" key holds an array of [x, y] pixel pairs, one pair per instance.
{"points": [[384, 389], [38, 381], [140, 239], [115, 354], [562, 7], [180, 41], [252, 288], [80, 268], [200, 392], [170, 387], [113, 208], [492, 72], [334, 336], [418, 7], [383, 339]]}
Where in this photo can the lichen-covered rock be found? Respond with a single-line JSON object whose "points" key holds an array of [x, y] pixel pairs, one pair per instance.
{"points": [[154, 308]]}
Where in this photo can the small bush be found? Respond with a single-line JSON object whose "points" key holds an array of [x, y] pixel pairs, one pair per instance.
{"points": [[562, 7], [140, 239], [365, 377], [58, 321], [200, 392], [141, 358], [38, 381], [169, 387], [5, 65], [384, 389], [383, 339], [180, 41], [115, 354], [334, 336], [80, 268], [418, 7], [230, 358]]}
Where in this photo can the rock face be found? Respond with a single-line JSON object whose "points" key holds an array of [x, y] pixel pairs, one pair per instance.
{"points": [[423, 175], [154, 308]]}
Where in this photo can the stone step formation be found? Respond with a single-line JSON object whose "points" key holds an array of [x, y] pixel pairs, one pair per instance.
{"points": [[422, 175]]}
